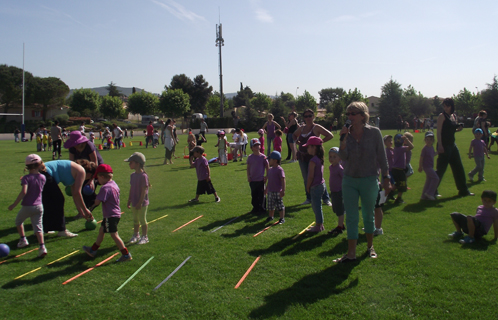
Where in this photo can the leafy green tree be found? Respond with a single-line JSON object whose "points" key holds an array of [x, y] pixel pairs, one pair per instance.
{"points": [[112, 107], [466, 103], [11, 86], [243, 97], [489, 99], [340, 104], [49, 92], [436, 104], [330, 95], [419, 105], [200, 94], [181, 81], [306, 101], [86, 102], [113, 90], [174, 102], [261, 102], [288, 99], [390, 104], [213, 105], [279, 109], [143, 103]]}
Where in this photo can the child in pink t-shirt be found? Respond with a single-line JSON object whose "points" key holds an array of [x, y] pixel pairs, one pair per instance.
{"points": [[109, 197], [277, 142]]}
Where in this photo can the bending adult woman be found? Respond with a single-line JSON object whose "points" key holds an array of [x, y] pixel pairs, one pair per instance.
{"points": [[363, 152], [301, 136], [270, 126], [70, 174], [169, 142], [291, 125], [447, 150]]}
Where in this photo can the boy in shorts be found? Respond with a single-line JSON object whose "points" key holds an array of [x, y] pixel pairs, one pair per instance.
{"points": [[399, 164], [275, 188], [204, 184], [109, 197], [478, 225]]}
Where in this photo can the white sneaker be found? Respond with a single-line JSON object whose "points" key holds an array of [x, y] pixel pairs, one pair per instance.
{"points": [[429, 197], [134, 239], [67, 234], [42, 252], [144, 240], [327, 203], [378, 232], [22, 243]]}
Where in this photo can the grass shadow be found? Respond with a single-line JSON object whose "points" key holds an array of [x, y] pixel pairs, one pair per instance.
{"points": [[422, 205], [309, 241], [176, 206], [307, 291], [219, 223], [8, 231], [247, 229]]}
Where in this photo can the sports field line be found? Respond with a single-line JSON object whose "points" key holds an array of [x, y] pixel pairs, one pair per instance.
{"points": [[34, 270], [188, 223], [90, 269], [172, 273], [247, 273], [224, 224], [155, 219], [300, 233], [133, 275], [22, 254], [271, 225]]}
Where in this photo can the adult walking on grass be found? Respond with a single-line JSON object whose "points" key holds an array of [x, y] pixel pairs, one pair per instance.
{"points": [[169, 142], [71, 175], [117, 133], [301, 136], [56, 133], [291, 125], [270, 127], [447, 150], [362, 151]]}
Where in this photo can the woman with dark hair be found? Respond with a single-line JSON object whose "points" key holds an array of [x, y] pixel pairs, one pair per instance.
{"points": [[301, 136], [363, 153], [291, 125], [169, 141], [447, 150]]}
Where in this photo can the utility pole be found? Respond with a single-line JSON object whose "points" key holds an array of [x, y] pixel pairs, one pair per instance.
{"points": [[220, 43]]}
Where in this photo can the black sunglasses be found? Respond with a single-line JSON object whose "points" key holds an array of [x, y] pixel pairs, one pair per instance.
{"points": [[352, 113], [308, 116]]}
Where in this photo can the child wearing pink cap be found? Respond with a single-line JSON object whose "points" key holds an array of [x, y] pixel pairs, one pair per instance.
{"points": [[32, 207]]}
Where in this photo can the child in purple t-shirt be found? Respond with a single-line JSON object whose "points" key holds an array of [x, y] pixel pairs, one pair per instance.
{"points": [[32, 207], [256, 167], [480, 150], [409, 168], [275, 187], [399, 164], [204, 184], [478, 225], [315, 184], [138, 199], [335, 184], [426, 164], [109, 197]]}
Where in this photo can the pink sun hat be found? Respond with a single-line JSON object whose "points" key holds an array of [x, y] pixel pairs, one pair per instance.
{"points": [[75, 138], [313, 141], [33, 158]]}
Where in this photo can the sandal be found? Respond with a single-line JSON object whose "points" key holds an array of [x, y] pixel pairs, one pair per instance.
{"points": [[344, 259], [316, 229], [371, 252]]}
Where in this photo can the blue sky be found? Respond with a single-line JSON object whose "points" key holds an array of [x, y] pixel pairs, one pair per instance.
{"points": [[439, 47]]}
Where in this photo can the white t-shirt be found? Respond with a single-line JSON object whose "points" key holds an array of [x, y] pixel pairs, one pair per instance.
{"points": [[243, 139], [118, 133]]}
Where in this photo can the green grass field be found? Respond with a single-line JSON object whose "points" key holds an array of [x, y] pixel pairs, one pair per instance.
{"points": [[419, 272]]}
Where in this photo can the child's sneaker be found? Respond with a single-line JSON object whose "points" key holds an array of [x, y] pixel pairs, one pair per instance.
{"points": [[456, 235], [89, 251], [327, 203], [467, 240], [193, 200], [378, 232], [268, 219], [42, 252], [67, 234], [22, 243], [281, 220], [337, 230], [134, 239], [316, 229], [124, 257], [144, 240], [217, 199]]}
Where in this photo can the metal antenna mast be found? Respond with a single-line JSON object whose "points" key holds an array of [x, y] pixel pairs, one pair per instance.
{"points": [[220, 43]]}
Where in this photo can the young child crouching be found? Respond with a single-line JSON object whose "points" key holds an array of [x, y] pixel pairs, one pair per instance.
{"points": [[204, 184], [109, 197], [275, 188], [478, 225]]}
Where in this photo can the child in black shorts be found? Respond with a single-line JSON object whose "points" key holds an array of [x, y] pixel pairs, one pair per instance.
{"points": [[204, 184]]}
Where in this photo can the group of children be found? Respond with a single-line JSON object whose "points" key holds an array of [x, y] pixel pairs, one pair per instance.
{"points": [[43, 141], [138, 200]]}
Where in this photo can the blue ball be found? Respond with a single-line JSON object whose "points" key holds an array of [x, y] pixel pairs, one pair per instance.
{"points": [[4, 250], [87, 191]]}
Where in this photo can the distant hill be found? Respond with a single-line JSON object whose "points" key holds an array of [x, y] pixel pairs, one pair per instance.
{"points": [[128, 91]]}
